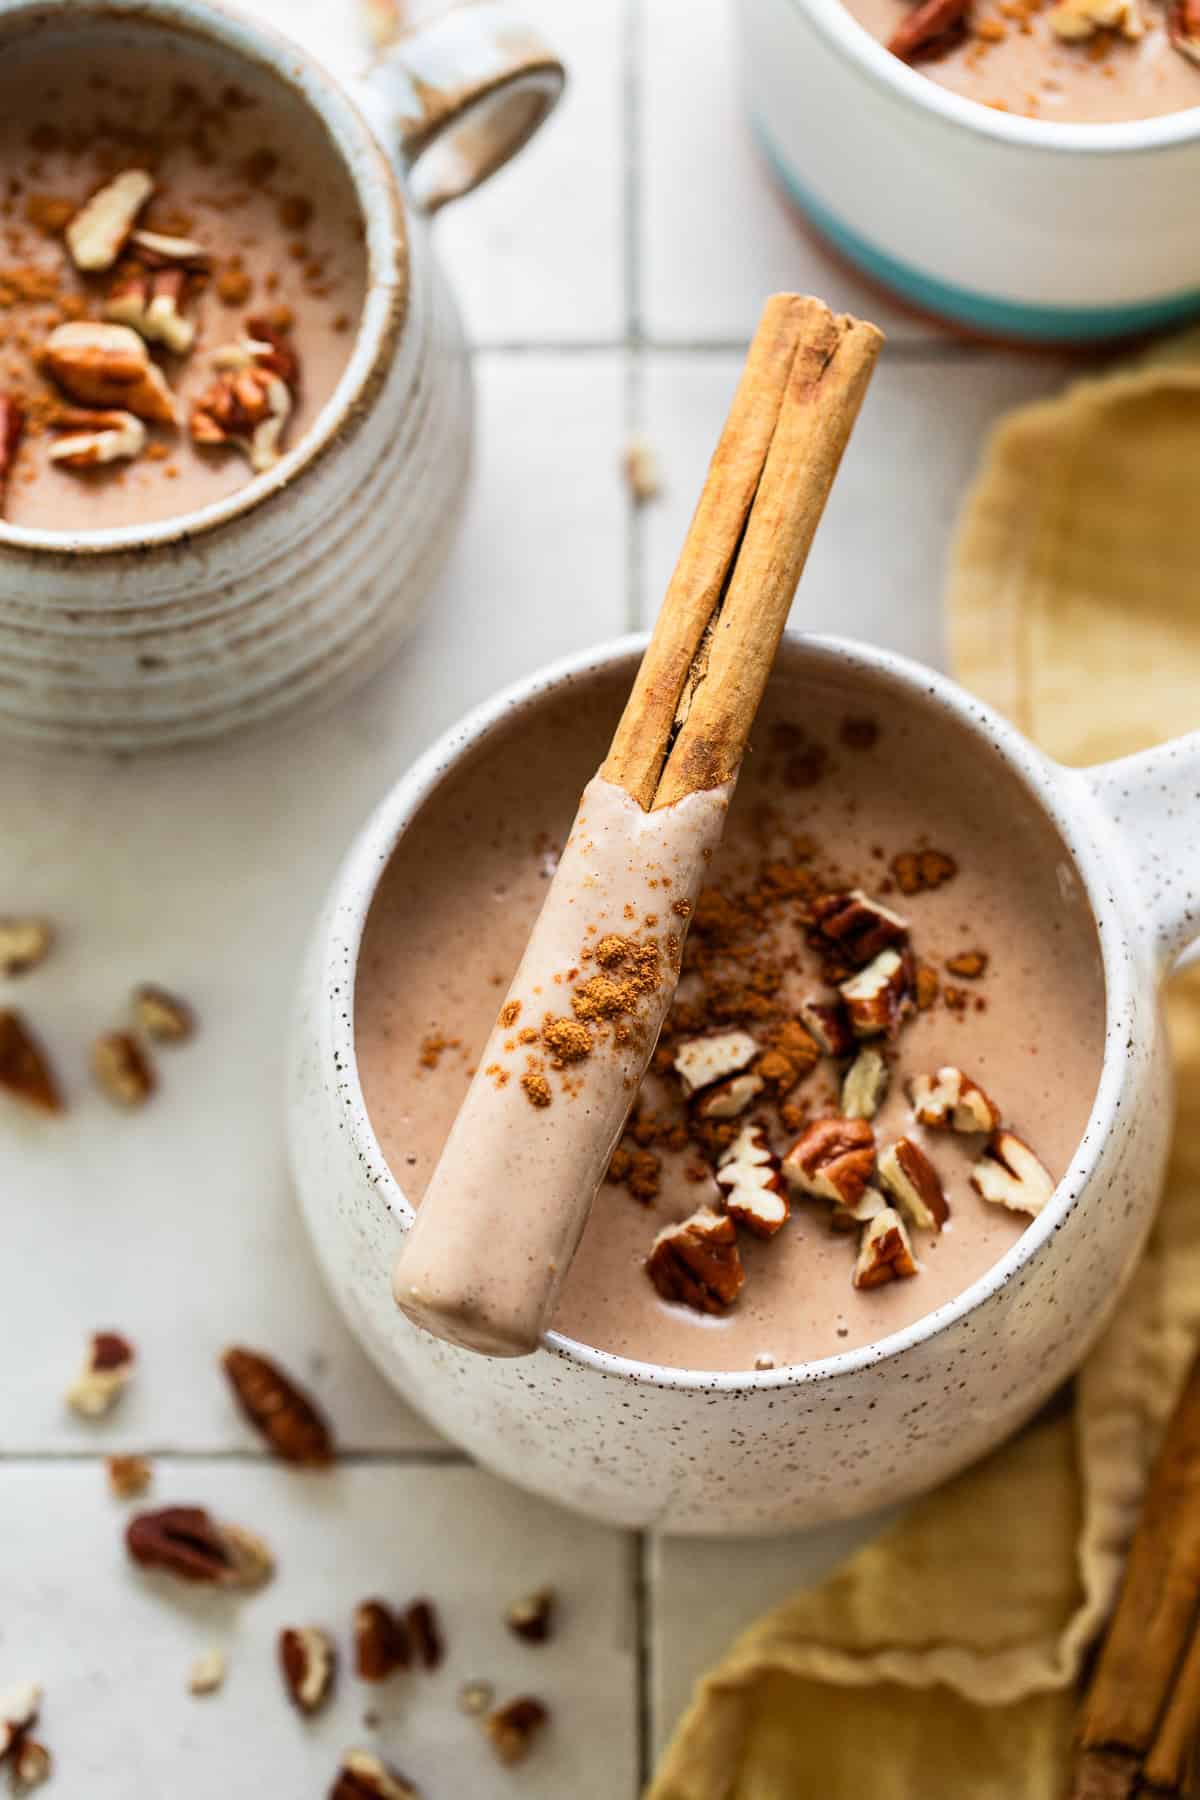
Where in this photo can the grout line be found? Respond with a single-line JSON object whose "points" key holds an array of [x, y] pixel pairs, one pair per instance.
{"points": [[643, 1607], [436, 1456]]}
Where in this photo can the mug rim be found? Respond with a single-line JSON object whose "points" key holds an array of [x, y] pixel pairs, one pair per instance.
{"points": [[1114, 137], [384, 309], [357, 883]]}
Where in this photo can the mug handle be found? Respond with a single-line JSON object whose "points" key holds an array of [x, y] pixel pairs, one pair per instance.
{"points": [[463, 93], [1152, 804]]}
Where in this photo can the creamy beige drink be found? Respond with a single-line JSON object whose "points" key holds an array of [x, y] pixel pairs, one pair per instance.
{"points": [[1005, 987], [1085, 61], [223, 247]]}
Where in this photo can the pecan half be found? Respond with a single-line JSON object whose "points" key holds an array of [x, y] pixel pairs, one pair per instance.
{"points": [[1183, 28], [128, 1476], [532, 1618], [828, 1023], [513, 1730], [858, 926], [833, 1159], [751, 1179], [97, 232], [425, 1633], [308, 1664], [19, 1706], [696, 1262], [381, 1643], [1009, 1174], [163, 1015], [250, 401], [363, 1776], [885, 1253], [32, 1765], [24, 943], [865, 1085], [187, 1542], [12, 429], [914, 1184], [106, 1373], [108, 366], [701, 1062], [877, 997], [25, 1070], [952, 1100], [95, 439], [285, 1415], [207, 1673], [122, 1070]]}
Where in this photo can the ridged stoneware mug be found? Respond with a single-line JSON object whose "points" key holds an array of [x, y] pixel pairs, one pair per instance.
{"points": [[1018, 228], [290, 589], [635, 1443]]}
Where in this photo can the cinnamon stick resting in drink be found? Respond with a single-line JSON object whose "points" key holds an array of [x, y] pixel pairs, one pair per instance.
{"points": [[505, 1209]]}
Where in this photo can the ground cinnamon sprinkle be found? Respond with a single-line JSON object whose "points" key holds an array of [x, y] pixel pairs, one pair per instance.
{"points": [[537, 1090], [434, 1047], [566, 1040], [510, 1012]]}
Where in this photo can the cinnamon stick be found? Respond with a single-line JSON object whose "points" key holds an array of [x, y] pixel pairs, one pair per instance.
{"points": [[1148, 1658], [697, 692], [1171, 1766]]}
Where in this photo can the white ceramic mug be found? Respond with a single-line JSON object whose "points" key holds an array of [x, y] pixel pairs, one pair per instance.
{"points": [[1020, 228], [297, 584], [639, 1444]]}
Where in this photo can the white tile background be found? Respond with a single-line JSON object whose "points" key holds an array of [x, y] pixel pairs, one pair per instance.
{"points": [[610, 278]]}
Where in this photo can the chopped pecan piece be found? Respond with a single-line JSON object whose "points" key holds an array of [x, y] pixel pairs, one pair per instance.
{"points": [[152, 301], [425, 1633], [696, 1262], [25, 1071], [859, 926], [728, 1099], [250, 401], [865, 1085], [32, 1765], [160, 250], [877, 996], [925, 987], [475, 1697], [187, 1542], [968, 965], [918, 870], [833, 1159], [122, 1069], [532, 1617], [276, 1407], [1009, 1174], [19, 1706], [106, 1373], [750, 1176], [95, 439], [207, 1673], [914, 1184], [381, 1643], [701, 1062], [308, 1664], [98, 231], [163, 1015], [951, 1099], [640, 465], [363, 1776], [1075, 20], [12, 429], [933, 28], [1183, 28], [513, 1729], [828, 1023], [24, 943], [885, 1253], [108, 366], [128, 1476]]}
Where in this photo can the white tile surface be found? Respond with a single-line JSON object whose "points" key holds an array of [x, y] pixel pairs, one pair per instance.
{"points": [[714, 235], [877, 565], [113, 1645]]}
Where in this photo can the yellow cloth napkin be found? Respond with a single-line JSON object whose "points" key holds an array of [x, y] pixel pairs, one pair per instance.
{"points": [[940, 1663]]}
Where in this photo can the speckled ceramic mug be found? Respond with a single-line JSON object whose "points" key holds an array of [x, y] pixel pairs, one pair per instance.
{"points": [[292, 588], [639, 1444]]}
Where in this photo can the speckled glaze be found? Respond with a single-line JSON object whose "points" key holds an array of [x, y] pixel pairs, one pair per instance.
{"points": [[638, 1444], [290, 589]]}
